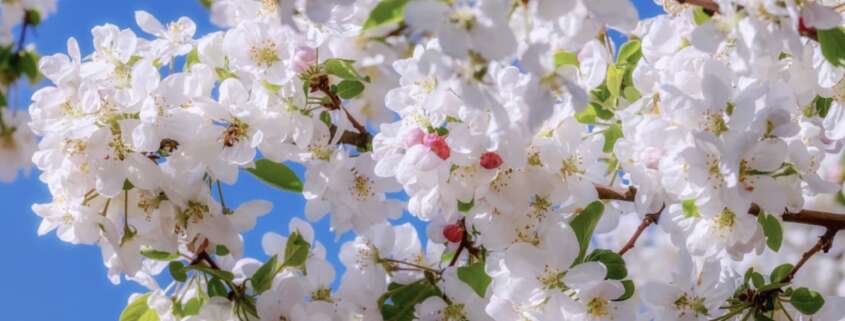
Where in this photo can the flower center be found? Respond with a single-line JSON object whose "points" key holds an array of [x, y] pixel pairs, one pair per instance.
{"points": [[361, 186], [694, 305], [598, 307], [264, 54]]}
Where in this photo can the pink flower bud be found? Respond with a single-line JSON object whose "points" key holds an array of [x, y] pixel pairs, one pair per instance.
{"points": [[490, 160], [304, 58], [454, 233], [651, 156], [438, 145]]}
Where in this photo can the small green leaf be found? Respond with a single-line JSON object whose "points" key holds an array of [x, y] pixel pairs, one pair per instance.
{"points": [[296, 251], [807, 301], [699, 16], [780, 273], [614, 263], [192, 58], [225, 275], [177, 271], [138, 310], [277, 175], [400, 300], [386, 12], [29, 65], [221, 250], [611, 135], [262, 280], [154, 254], [631, 93], [223, 74], [629, 290], [822, 105], [592, 113], [192, 307], [757, 280], [476, 277], [217, 288], [465, 207], [832, 43], [32, 17], [772, 230], [690, 208], [342, 68], [614, 80], [326, 118], [584, 224], [349, 89], [271, 87], [630, 53], [206, 3], [566, 58]]}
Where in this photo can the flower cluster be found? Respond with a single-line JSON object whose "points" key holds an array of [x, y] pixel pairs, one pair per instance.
{"points": [[17, 143], [522, 136]]}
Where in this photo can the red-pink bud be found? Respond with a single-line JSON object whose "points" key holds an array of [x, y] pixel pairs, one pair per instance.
{"points": [[438, 145], [491, 160], [454, 233], [304, 58]]}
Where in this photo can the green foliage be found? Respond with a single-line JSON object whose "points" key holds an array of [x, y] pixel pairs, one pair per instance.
{"points": [[699, 16], [277, 175], [465, 207], [629, 290], [262, 279], [177, 271], [386, 12], [476, 277], [224, 275], [138, 310], [584, 224], [611, 135], [832, 43], [296, 251], [157, 255], [348, 89], [807, 301], [398, 303], [566, 58], [343, 69], [780, 273], [772, 229], [614, 263]]}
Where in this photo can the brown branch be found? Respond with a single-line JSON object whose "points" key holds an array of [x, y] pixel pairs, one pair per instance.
{"points": [[834, 221], [647, 221], [824, 244]]}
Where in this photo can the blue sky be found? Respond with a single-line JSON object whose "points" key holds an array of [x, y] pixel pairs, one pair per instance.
{"points": [[46, 279]]}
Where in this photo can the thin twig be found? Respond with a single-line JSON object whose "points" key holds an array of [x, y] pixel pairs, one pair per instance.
{"points": [[648, 220], [824, 244]]}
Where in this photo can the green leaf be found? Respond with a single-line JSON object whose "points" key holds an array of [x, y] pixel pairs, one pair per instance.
{"points": [[154, 254], [138, 310], [690, 208], [217, 288], [699, 16], [629, 290], [832, 42], [386, 12], [223, 74], [584, 224], [465, 207], [206, 3], [807, 301], [192, 58], [757, 280], [780, 273], [614, 263], [614, 81], [566, 58], [3, 102], [349, 89], [342, 68], [631, 93], [296, 251], [772, 230], [476, 277], [271, 87], [221, 250], [630, 53], [262, 280], [277, 175], [225, 275], [32, 17], [611, 135], [398, 303], [192, 307], [29, 65], [822, 105], [592, 113], [177, 271]]}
